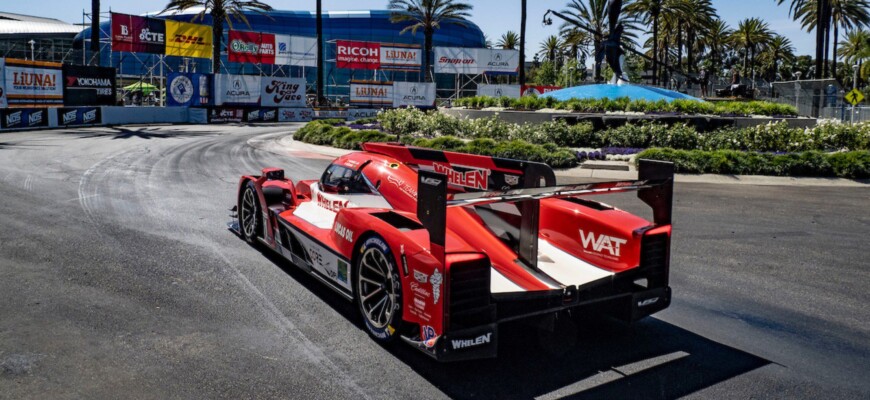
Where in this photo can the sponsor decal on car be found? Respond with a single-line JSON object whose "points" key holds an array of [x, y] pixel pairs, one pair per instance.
{"points": [[342, 271], [436, 280], [512, 179], [419, 290], [329, 204], [647, 302], [430, 181], [473, 178], [428, 335], [343, 232], [458, 344], [419, 303], [404, 187], [420, 276], [602, 243]]}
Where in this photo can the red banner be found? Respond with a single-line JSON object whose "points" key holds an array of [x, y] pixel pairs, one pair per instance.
{"points": [[538, 90], [358, 55], [251, 47], [138, 34]]}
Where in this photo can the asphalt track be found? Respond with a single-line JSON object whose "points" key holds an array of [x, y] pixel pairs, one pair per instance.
{"points": [[119, 279]]}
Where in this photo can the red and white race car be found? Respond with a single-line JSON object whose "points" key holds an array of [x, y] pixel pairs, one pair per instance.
{"points": [[438, 248]]}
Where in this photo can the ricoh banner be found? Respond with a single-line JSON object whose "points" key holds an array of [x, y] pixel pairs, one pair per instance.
{"points": [[371, 93], [33, 83], [240, 90], [187, 90], [300, 51], [413, 94], [370, 55], [512, 91], [282, 92], [473, 61]]}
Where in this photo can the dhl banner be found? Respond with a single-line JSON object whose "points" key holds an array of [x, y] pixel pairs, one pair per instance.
{"points": [[188, 40], [33, 83]]}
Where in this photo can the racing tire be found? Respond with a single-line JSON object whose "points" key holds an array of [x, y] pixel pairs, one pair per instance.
{"points": [[250, 224], [378, 289]]}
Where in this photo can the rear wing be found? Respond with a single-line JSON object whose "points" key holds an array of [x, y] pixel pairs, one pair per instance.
{"points": [[654, 186]]}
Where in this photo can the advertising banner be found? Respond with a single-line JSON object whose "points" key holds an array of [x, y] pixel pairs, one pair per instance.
{"points": [[282, 92], [236, 90], [187, 90], [401, 57], [3, 103], [295, 115], [88, 85], [371, 93], [360, 113], [512, 91], [12, 118], [370, 55], [251, 47], [261, 115], [300, 51], [188, 40], [226, 115], [538, 90], [330, 113], [472, 61], [79, 116], [33, 83], [413, 94], [138, 34]]}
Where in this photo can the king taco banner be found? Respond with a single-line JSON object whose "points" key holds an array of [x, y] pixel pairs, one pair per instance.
{"points": [[188, 40], [472, 61], [138, 34], [300, 51], [88, 85], [370, 55], [187, 90], [282, 92], [33, 83], [251, 47]]}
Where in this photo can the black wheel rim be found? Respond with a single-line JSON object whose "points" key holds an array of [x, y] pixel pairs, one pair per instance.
{"points": [[248, 216], [377, 292]]}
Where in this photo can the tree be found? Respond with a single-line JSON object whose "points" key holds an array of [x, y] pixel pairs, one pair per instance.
{"points": [[508, 41], [716, 39], [576, 42], [220, 11], [856, 50], [779, 50], [699, 16], [847, 14], [594, 17], [751, 34], [550, 48], [523, 13], [428, 15]]}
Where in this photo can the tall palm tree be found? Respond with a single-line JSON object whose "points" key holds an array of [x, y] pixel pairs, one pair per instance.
{"points": [[508, 41], [648, 12], [779, 50], [699, 15], [550, 48], [428, 15], [523, 14], [576, 42], [856, 50], [751, 35], [594, 17], [717, 39], [220, 11], [794, 6], [847, 14]]}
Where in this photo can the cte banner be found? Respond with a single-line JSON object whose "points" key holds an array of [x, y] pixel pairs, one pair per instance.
{"points": [[138, 34], [251, 47], [472, 61], [187, 90], [241, 90], [282, 92], [370, 55], [188, 40], [512, 91], [33, 83], [88, 86], [299, 51]]}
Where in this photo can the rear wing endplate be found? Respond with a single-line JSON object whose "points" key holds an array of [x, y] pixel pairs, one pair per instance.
{"points": [[655, 187]]}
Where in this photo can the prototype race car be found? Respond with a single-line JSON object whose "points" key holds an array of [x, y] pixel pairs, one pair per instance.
{"points": [[437, 248]]}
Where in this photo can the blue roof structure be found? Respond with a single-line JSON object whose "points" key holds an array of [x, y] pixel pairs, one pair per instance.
{"points": [[634, 92]]}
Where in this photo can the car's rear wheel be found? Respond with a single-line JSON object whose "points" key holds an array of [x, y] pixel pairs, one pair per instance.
{"points": [[249, 213], [378, 289]]}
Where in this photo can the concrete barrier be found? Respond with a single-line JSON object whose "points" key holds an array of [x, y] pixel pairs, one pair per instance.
{"points": [[145, 115]]}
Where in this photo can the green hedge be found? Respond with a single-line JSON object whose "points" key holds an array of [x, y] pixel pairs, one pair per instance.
{"points": [[853, 164], [638, 105], [322, 133]]}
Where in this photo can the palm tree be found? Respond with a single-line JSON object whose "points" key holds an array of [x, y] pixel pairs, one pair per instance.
{"points": [[594, 17], [779, 50], [550, 48], [716, 39], [648, 11], [576, 42], [820, 33], [847, 14], [508, 41], [487, 42], [523, 13], [751, 34], [428, 15], [220, 11], [856, 50], [699, 16]]}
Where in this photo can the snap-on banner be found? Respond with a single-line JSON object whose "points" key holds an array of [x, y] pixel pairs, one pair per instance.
{"points": [[33, 83], [88, 85], [251, 47], [188, 90], [237, 90], [282, 92], [473, 61], [184, 39], [12, 118], [79, 116], [138, 34]]}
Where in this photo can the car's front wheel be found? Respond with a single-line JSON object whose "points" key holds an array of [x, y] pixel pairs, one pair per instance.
{"points": [[378, 289], [249, 213]]}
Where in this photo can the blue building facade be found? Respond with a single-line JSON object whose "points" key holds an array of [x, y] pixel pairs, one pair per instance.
{"points": [[372, 26]]}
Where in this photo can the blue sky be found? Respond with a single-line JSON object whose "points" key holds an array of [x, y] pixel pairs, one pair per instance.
{"points": [[493, 16]]}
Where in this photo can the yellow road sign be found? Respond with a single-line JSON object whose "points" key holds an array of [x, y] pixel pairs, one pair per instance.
{"points": [[854, 97]]}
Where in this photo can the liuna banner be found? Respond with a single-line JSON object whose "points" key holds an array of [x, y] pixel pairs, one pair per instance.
{"points": [[300, 51], [240, 90], [392, 94], [138, 34], [512, 91], [251, 47], [282, 92], [473, 61], [370, 55], [371, 93], [88, 85], [33, 83], [187, 90]]}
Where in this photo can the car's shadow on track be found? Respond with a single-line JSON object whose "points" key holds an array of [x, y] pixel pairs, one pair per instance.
{"points": [[603, 358]]}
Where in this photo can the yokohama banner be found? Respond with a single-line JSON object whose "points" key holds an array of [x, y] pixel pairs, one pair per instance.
{"points": [[251, 47], [471, 61], [282, 92], [236, 90], [186, 90], [512, 91], [369, 55], [33, 83], [413, 94], [88, 86], [371, 93], [138, 34], [299, 51], [188, 40]]}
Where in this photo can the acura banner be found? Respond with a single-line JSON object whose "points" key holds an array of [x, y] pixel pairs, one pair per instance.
{"points": [[473, 61], [33, 83], [88, 85], [392, 94], [237, 90], [512, 91], [413, 94]]}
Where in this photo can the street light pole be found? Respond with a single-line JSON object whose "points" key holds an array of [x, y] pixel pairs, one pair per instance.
{"points": [[854, 86], [32, 42], [797, 91]]}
